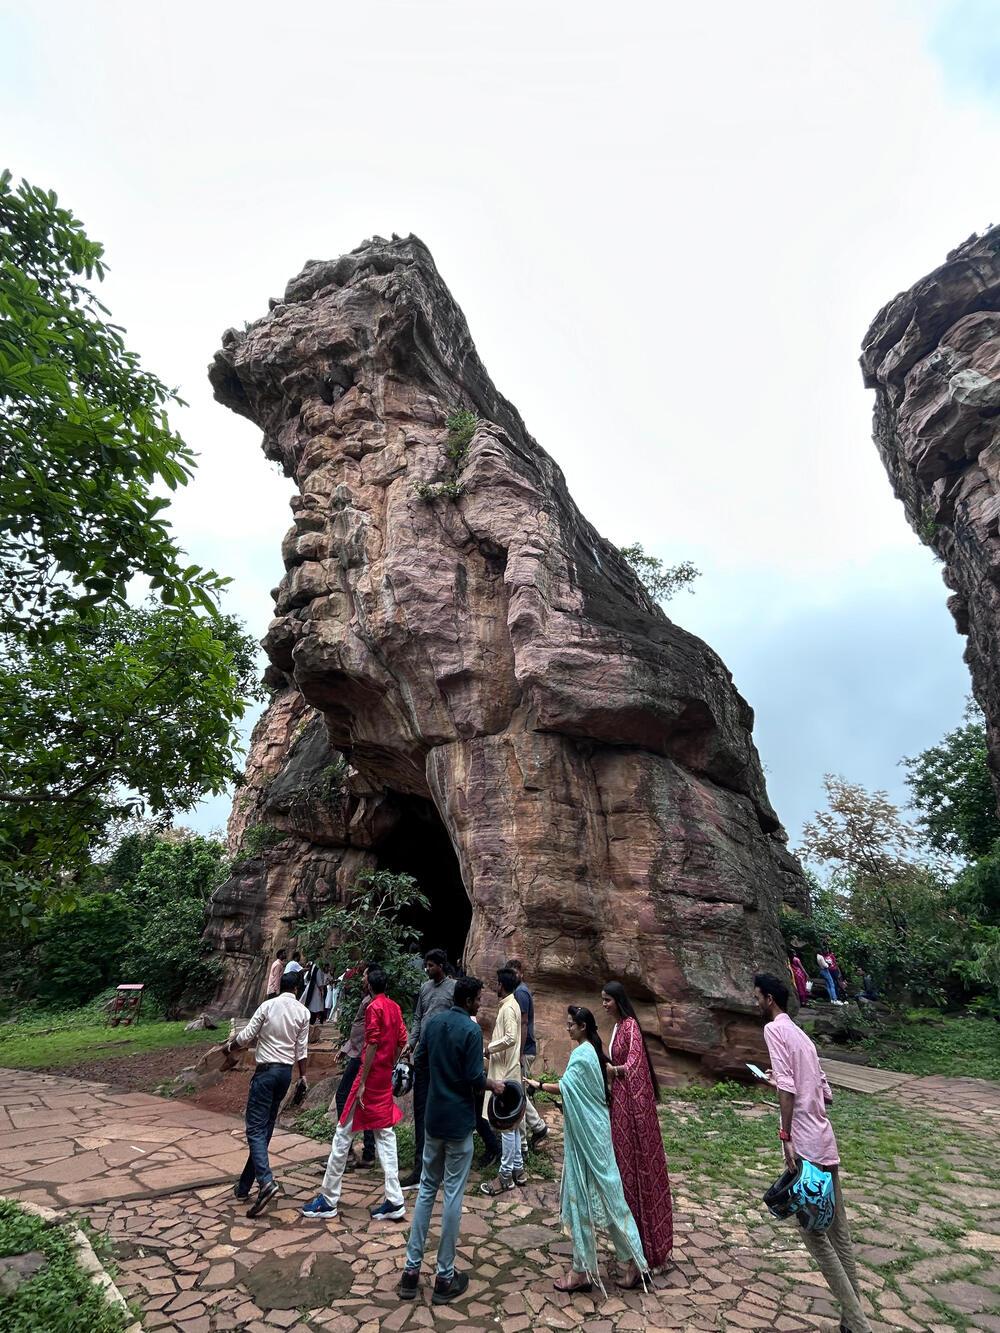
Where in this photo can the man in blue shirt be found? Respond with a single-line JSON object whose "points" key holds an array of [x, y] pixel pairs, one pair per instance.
{"points": [[533, 1127], [451, 1055]]}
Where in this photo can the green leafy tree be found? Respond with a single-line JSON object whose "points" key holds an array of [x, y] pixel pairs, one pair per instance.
{"points": [[954, 793], [167, 899], [862, 837], [84, 436], [370, 925], [131, 709], [661, 581], [168, 955], [139, 917], [78, 952]]}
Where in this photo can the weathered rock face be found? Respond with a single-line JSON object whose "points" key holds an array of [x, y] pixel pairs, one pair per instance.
{"points": [[933, 358], [524, 727]]}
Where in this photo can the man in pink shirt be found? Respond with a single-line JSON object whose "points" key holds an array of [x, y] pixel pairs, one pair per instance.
{"points": [[274, 976], [805, 1132]]}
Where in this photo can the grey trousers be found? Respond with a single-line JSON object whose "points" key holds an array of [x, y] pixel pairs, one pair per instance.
{"points": [[834, 1256]]}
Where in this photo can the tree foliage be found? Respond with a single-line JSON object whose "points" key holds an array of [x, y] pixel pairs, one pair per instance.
{"points": [[131, 709], [954, 793], [84, 436], [926, 933], [864, 839], [661, 581], [369, 926], [138, 917]]}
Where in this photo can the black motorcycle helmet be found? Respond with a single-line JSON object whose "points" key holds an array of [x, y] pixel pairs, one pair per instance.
{"points": [[507, 1111]]}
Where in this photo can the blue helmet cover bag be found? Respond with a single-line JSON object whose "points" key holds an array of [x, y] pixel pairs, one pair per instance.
{"points": [[806, 1193]]}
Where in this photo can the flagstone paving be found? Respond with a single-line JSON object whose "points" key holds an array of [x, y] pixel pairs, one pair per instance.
{"points": [[194, 1263], [64, 1141]]}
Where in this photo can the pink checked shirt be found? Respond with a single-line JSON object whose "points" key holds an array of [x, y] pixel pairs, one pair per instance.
{"points": [[796, 1068]]}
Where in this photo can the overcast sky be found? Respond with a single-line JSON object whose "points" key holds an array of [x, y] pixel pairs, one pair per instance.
{"points": [[669, 226]]}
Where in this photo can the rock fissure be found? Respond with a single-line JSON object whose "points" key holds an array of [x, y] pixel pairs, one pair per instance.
{"points": [[589, 762]]}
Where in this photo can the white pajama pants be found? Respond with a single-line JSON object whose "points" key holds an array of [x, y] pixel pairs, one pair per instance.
{"points": [[385, 1151]]}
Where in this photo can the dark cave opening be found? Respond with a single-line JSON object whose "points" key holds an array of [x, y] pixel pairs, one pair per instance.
{"points": [[419, 845]]}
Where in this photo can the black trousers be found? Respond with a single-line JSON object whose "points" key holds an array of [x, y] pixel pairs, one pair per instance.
{"points": [[421, 1082], [343, 1092]]}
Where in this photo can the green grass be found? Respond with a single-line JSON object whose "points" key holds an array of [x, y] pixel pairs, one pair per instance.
{"points": [[953, 1046], [59, 1298], [708, 1133], [59, 1040]]}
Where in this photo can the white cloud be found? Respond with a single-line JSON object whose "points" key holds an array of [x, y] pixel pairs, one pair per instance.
{"points": [[668, 225]]}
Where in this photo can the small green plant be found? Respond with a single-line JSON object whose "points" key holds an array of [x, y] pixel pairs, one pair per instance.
{"points": [[257, 839], [462, 426], [315, 1124], [331, 779], [444, 490], [660, 581], [927, 526]]}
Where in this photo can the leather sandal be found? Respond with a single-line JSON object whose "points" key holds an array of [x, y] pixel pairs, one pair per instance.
{"points": [[571, 1287]]}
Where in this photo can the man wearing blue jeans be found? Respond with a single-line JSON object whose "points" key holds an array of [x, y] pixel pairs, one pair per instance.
{"points": [[281, 1029], [451, 1055]]}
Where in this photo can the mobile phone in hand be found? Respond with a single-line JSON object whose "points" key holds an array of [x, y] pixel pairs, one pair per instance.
{"points": [[756, 1071]]}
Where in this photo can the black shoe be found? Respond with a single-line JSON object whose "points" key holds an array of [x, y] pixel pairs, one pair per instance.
{"points": [[408, 1285], [367, 1163], [266, 1195], [537, 1137], [242, 1195], [411, 1181], [446, 1290]]}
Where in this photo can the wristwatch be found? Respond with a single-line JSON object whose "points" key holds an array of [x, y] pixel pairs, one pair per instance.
{"points": [[784, 1136]]}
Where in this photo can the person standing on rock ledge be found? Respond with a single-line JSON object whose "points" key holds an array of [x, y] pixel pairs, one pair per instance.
{"points": [[806, 1133], [281, 1029]]}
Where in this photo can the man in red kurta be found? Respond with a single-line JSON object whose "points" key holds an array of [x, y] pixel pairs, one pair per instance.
{"points": [[370, 1105]]}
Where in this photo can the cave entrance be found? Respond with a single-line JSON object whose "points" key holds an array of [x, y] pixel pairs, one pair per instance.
{"points": [[419, 845]]}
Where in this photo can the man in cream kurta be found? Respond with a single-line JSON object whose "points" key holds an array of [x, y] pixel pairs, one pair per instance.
{"points": [[504, 1050]]}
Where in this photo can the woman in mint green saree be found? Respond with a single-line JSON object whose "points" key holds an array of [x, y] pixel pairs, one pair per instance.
{"points": [[591, 1192]]}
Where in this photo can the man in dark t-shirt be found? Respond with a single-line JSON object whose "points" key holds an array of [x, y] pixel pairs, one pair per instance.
{"points": [[451, 1055]]}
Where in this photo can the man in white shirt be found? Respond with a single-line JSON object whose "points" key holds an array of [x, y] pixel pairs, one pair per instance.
{"points": [[294, 964], [281, 1029]]}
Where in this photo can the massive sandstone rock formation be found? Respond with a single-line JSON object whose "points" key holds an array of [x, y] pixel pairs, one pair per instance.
{"points": [[473, 685], [933, 358]]}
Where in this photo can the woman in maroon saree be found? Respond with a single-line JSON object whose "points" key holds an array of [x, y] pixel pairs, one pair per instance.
{"points": [[635, 1130]]}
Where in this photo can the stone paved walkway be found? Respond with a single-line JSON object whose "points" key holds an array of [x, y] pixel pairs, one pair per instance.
{"points": [[195, 1263], [64, 1142]]}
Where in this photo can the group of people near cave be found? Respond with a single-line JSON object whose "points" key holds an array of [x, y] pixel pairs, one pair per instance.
{"points": [[614, 1177]]}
